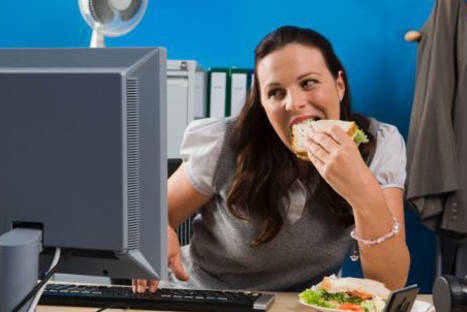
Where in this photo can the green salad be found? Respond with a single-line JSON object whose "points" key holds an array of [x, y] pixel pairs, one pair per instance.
{"points": [[342, 301]]}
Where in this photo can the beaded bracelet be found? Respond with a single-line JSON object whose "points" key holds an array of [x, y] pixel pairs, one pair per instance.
{"points": [[395, 229]]}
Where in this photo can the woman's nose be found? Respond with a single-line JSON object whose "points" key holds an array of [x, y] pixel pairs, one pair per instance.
{"points": [[295, 101]]}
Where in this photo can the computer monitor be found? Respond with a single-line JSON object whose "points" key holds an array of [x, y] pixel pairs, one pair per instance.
{"points": [[83, 161]]}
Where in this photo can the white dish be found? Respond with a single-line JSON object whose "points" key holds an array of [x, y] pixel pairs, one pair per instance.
{"points": [[418, 306], [322, 309], [422, 306]]}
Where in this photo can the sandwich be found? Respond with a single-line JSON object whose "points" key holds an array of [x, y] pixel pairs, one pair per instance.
{"points": [[299, 132], [347, 294]]}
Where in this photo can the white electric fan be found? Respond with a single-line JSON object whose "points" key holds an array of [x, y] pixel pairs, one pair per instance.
{"points": [[111, 18]]}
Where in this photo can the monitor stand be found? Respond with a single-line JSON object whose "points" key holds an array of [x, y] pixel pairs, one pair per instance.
{"points": [[19, 266]]}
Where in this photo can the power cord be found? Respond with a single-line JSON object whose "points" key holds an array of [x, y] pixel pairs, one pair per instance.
{"points": [[39, 288], [53, 266], [114, 306]]}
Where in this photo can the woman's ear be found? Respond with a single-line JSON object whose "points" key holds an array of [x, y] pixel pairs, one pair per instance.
{"points": [[340, 84]]}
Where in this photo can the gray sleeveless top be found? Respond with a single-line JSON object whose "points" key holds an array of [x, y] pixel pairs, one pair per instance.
{"points": [[310, 244]]}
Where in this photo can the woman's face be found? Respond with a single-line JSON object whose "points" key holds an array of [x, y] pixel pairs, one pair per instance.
{"points": [[295, 84]]}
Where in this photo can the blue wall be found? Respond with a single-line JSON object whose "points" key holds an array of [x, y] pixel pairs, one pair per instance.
{"points": [[367, 35]]}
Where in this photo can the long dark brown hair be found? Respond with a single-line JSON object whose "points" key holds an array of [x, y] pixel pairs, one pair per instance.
{"points": [[265, 167]]}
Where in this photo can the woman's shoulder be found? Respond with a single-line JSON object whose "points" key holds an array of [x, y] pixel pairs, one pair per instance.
{"points": [[205, 134], [388, 139], [383, 130], [200, 151], [209, 125], [389, 161]]}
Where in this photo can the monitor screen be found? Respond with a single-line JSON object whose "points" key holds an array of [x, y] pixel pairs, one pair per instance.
{"points": [[83, 156]]}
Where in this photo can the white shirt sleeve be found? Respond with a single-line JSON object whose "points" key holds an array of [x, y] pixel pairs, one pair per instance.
{"points": [[200, 150], [390, 159]]}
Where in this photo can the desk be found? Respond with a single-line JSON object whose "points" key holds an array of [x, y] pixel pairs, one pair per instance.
{"points": [[285, 302]]}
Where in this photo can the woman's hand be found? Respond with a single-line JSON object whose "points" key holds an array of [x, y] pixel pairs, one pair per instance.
{"points": [[174, 263], [338, 161]]}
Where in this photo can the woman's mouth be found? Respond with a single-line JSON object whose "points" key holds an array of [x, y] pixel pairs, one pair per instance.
{"points": [[300, 119]]}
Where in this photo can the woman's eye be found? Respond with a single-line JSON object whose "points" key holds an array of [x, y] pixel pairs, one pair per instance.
{"points": [[308, 83], [275, 93]]}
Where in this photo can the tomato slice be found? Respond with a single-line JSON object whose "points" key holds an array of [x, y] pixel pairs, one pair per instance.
{"points": [[351, 307]]}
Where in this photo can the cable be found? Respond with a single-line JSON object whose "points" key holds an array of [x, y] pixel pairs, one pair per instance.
{"points": [[34, 291], [39, 288], [114, 306], [53, 265]]}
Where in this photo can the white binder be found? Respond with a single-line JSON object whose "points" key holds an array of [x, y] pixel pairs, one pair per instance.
{"points": [[218, 94], [239, 84]]}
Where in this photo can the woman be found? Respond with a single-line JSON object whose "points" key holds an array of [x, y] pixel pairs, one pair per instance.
{"points": [[268, 220]]}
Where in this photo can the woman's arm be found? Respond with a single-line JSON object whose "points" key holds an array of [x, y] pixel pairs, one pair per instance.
{"points": [[388, 261], [339, 162], [183, 199]]}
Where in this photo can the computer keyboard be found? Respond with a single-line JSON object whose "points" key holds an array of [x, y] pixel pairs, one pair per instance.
{"points": [[162, 299]]}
